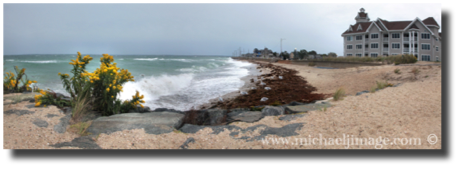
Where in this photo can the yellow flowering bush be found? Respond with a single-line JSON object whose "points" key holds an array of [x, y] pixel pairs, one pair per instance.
{"points": [[49, 98], [102, 86], [12, 83]]}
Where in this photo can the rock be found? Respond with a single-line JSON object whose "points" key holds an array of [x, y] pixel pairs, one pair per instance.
{"points": [[18, 112], [273, 111], [264, 99], [295, 103], [248, 116], [152, 122], [167, 110], [186, 143], [40, 123], [51, 115], [291, 117], [306, 107], [243, 93], [280, 77], [285, 131], [252, 88], [63, 123], [189, 128], [397, 85], [267, 88], [263, 84], [362, 92], [84, 142], [216, 116]]}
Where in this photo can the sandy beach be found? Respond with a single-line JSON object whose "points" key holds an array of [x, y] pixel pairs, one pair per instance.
{"points": [[411, 110]]}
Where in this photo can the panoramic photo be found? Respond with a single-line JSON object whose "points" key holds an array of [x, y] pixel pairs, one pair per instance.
{"points": [[222, 76]]}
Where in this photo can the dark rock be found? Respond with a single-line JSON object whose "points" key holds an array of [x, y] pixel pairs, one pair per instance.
{"points": [[18, 112], [84, 142], [362, 92], [397, 85], [40, 123], [167, 110], [188, 128], [291, 117], [186, 143], [152, 122], [63, 123], [295, 103], [273, 111], [51, 115], [306, 107], [30, 106], [217, 116], [248, 116]]}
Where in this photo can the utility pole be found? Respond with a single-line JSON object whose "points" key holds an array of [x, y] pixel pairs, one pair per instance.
{"points": [[281, 39]]}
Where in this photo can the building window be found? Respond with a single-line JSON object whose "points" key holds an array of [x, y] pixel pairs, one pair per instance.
{"points": [[395, 35], [395, 45], [349, 54], [358, 55], [374, 45], [425, 36], [358, 37], [358, 46], [436, 48], [374, 36], [349, 38], [425, 46], [436, 58], [349, 47], [374, 54], [426, 57]]}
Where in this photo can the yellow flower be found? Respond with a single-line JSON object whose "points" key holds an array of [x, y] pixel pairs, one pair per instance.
{"points": [[113, 87], [108, 89], [112, 96], [44, 105], [43, 92], [38, 104]]}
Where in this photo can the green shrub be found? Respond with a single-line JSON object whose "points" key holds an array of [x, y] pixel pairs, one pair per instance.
{"points": [[276, 103], [397, 71], [311, 64], [339, 94], [50, 98], [11, 83]]}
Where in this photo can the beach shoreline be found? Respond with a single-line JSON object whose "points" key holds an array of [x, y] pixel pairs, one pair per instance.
{"points": [[410, 110]]}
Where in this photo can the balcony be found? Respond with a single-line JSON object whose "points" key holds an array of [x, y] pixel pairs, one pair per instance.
{"points": [[386, 39], [406, 49], [385, 48], [408, 39], [366, 39]]}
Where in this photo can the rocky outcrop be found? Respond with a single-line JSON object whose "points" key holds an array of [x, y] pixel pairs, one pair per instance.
{"points": [[307, 107], [273, 111], [246, 116], [40, 123], [84, 142], [152, 122]]}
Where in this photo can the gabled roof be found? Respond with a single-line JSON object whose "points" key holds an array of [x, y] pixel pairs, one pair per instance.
{"points": [[430, 21], [363, 14], [364, 26]]}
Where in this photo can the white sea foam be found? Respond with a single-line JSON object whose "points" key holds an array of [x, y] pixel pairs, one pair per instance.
{"points": [[148, 59], [43, 61], [10, 60], [153, 87]]}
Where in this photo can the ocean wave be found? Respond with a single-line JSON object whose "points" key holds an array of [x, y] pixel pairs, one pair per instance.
{"points": [[41, 62], [148, 59], [10, 60], [153, 87]]}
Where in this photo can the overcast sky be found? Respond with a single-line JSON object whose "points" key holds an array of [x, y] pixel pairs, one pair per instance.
{"points": [[188, 29]]}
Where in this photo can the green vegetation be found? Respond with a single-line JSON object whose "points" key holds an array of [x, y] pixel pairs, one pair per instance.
{"points": [[339, 94], [80, 128], [311, 64], [253, 108], [17, 84], [93, 91], [380, 85], [276, 103], [415, 72], [397, 71], [397, 59]]}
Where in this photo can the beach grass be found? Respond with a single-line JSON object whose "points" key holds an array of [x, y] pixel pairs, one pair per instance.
{"points": [[339, 94]]}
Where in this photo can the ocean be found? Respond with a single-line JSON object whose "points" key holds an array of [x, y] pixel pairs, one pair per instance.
{"points": [[166, 81]]}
